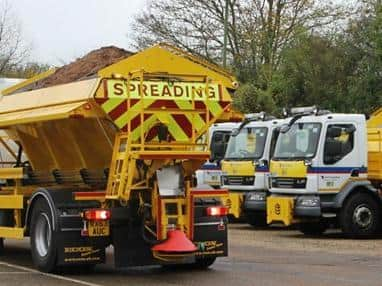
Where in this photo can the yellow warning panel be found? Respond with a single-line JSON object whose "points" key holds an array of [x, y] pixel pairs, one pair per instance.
{"points": [[280, 209], [234, 202]]}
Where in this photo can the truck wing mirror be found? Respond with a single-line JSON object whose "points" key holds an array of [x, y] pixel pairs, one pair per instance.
{"points": [[235, 132], [285, 128]]}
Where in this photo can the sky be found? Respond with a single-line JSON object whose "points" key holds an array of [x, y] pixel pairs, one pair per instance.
{"points": [[61, 31]]}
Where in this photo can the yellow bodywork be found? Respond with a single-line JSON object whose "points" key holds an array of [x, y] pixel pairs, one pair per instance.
{"points": [[236, 198], [25, 83], [234, 201], [112, 122], [291, 169], [280, 209], [238, 168], [374, 138]]}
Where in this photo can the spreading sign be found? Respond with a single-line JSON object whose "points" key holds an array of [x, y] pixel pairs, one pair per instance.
{"points": [[163, 90]]}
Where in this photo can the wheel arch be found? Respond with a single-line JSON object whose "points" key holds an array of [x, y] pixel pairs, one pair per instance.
{"points": [[47, 196], [354, 187]]}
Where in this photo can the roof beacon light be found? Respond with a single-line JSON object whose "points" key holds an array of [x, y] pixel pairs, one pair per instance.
{"points": [[255, 116], [304, 110]]}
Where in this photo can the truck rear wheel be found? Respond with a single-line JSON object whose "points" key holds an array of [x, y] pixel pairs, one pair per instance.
{"points": [[43, 238], [203, 263], [360, 216]]}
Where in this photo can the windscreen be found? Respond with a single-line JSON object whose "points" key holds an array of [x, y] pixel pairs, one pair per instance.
{"points": [[248, 144], [299, 142]]}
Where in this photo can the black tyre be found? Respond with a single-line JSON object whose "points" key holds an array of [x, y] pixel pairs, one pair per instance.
{"points": [[313, 228], [203, 263], [200, 264], [360, 216], [42, 237], [256, 219], [1, 246]]}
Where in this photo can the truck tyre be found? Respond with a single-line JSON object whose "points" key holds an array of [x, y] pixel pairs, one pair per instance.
{"points": [[203, 263], [313, 228], [42, 237], [257, 219], [200, 263], [1, 246], [360, 216]]}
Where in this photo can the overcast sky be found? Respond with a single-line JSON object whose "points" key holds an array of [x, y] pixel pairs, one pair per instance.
{"points": [[60, 31]]}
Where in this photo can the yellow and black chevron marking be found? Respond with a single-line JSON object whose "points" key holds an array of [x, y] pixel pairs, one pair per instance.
{"points": [[159, 100]]}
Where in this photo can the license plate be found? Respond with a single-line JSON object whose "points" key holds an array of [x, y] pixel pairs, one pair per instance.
{"points": [[213, 178], [98, 228]]}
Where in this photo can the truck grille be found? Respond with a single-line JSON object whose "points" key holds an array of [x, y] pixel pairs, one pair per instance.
{"points": [[288, 183], [238, 180]]}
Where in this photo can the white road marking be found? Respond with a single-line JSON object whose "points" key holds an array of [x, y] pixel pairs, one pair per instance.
{"points": [[54, 276], [13, 272]]}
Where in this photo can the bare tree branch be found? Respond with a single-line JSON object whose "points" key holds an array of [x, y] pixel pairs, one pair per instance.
{"points": [[258, 30], [12, 48]]}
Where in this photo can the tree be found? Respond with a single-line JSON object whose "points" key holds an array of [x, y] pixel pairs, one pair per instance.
{"points": [[314, 71], [249, 99], [27, 70], [257, 29], [363, 40], [12, 48]]}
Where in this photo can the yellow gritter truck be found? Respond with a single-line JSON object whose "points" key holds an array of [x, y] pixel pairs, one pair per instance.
{"points": [[110, 161]]}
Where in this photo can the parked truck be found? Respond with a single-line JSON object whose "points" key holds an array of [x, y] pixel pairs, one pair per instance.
{"points": [[107, 157], [245, 167], [327, 170], [210, 172]]}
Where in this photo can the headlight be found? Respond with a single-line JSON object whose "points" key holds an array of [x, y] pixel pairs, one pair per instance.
{"points": [[309, 202], [257, 197]]}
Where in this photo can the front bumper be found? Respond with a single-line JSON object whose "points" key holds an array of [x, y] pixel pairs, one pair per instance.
{"points": [[255, 202], [289, 210]]}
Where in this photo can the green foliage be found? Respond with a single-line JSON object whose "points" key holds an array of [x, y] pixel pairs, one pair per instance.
{"points": [[249, 98], [364, 42], [313, 72], [340, 72], [27, 70]]}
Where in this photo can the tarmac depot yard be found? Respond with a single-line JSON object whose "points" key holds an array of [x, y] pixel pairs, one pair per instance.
{"points": [[269, 256]]}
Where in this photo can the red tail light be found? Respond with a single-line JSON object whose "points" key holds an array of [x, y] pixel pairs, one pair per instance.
{"points": [[97, 214], [217, 211]]}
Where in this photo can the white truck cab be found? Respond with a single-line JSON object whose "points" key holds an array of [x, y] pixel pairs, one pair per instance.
{"points": [[210, 172], [318, 174], [246, 166]]}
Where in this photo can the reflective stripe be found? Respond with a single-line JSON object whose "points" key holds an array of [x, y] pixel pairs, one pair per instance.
{"points": [[180, 125]]}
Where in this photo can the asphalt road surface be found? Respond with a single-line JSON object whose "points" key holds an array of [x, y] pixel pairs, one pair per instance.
{"points": [[271, 256]]}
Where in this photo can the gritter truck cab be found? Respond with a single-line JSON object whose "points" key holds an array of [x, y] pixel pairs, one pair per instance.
{"points": [[245, 166], [210, 172], [111, 151], [326, 170]]}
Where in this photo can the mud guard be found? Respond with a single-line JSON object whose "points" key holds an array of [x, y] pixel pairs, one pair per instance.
{"points": [[72, 247]]}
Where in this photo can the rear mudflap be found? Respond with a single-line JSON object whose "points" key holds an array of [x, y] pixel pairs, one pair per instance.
{"points": [[210, 234], [73, 248]]}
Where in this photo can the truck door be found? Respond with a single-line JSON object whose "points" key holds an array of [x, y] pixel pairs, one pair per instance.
{"points": [[340, 158], [211, 170]]}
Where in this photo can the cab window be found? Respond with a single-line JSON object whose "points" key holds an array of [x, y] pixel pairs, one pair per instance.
{"points": [[219, 143], [339, 142]]}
